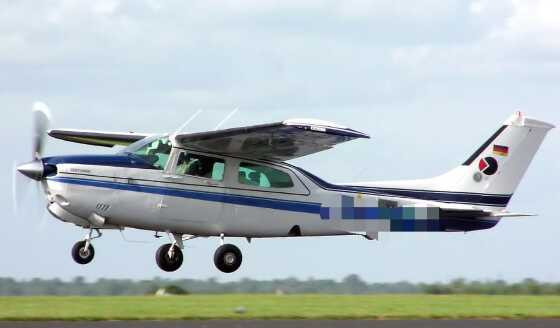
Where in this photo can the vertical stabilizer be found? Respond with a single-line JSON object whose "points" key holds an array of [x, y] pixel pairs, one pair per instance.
{"points": [[489, 177]]}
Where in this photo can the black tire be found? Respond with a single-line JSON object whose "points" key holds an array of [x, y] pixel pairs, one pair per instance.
{"points": [[166, 263], [82, 255], [228, 258]]}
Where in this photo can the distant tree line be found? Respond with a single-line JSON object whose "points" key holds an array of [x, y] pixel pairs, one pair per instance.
{"points": [[352, 284]]}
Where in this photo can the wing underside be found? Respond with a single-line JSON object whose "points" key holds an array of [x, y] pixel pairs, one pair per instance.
{"points": [[279, 141]]}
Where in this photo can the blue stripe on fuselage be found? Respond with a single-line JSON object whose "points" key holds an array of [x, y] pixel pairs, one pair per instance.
{"points": [[277, 204], [442, 196], [432, 195]]}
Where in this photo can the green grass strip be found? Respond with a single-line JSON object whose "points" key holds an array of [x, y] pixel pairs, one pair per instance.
{"points": [[280, 307]]}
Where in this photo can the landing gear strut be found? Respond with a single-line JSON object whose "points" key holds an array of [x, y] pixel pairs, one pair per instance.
{"points": [[169, 257], [227, 257], [83, 251]]}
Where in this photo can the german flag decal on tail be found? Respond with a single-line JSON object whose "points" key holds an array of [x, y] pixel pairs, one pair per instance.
{"points": [[501, 150]]}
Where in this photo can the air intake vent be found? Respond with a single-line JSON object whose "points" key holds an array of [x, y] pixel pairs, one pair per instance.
{"points": [[102, 207]]}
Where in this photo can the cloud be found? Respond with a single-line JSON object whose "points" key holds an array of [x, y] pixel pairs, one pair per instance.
{"points": [[269, 53], [429, 80], [535, 23]]}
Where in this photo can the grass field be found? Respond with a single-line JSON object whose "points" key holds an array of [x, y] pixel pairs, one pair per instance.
{"points": [[279, 307]]}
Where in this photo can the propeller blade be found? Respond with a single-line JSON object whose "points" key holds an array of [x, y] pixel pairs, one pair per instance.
{"points": [[20, 189], [41, 123], [15, 198], [24, 198], [41, 208]]}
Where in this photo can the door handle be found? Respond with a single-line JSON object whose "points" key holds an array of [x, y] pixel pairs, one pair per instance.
{"points": [[172, 177]]}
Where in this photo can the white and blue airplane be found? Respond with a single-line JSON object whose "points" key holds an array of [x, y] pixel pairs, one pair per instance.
{"points": [[236, 183]]}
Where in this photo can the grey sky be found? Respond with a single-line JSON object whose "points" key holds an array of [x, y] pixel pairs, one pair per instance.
{"points": [[428, 80]]}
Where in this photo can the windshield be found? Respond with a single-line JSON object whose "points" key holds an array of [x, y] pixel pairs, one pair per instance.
{"points": [[153, 150]]}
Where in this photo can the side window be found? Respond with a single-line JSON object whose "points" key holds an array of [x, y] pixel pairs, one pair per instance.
{"points": [[156, 152], [263, 176], [200, 166]]}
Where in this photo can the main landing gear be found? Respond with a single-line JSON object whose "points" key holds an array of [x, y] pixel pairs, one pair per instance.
{"points": [[227, 257], [83, 251], [169, 257]]}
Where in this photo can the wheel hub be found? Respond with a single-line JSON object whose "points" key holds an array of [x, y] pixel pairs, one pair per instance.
{"points": [[84, 253], [229, 258]]}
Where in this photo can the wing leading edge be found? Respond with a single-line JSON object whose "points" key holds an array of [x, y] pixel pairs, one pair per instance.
{"points": [[279, 141], [98, 138]]}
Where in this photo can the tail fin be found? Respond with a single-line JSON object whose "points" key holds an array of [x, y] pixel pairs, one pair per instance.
{"points": [[499, 164], [489, 177]]}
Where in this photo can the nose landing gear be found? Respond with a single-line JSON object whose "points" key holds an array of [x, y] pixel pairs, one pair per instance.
{"points": [[83, 251]]}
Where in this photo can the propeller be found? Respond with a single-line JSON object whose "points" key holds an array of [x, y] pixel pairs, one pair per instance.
{"points": [[41, 121], [35, 169]]}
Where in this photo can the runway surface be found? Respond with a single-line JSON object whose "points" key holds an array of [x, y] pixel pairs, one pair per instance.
{"points": [[538, 323]]}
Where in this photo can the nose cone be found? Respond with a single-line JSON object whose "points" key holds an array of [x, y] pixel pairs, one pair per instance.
{"points": [[33, 170]]}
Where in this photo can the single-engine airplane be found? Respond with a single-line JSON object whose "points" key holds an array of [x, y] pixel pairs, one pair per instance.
{"points": [[236, 183]]}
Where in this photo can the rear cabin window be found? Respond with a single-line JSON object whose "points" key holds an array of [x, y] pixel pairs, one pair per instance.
{"points": [[263, 176], [200, 166]]}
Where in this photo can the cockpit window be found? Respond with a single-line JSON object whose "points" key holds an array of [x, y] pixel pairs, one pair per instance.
{"points": [[154, 150], [200, 166]]}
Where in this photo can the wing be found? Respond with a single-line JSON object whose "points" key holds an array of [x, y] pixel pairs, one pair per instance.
{"points": [[279, 141], [98, 138]]}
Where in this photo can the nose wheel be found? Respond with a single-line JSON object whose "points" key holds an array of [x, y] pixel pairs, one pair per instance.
{"points": [[228, 258], [83, 251]]}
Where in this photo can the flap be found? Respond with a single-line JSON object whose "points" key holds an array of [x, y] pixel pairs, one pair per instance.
{"points": [[279, 141]]}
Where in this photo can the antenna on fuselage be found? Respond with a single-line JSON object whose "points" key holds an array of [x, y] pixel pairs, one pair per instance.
{"points": [[227, 118], [187, 122]]}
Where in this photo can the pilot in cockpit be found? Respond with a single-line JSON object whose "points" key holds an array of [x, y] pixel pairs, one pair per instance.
{"points": [[163, 148], [182, 165]]}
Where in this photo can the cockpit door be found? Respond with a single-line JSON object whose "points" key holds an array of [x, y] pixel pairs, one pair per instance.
{"points": [[194, 190]]}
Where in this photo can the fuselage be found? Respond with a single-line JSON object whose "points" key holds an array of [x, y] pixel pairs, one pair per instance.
{"points": [[238, 197], [235, 183]]}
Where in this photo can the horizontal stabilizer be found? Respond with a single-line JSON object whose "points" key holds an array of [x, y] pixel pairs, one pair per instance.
{"points": [[511, 215]]}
